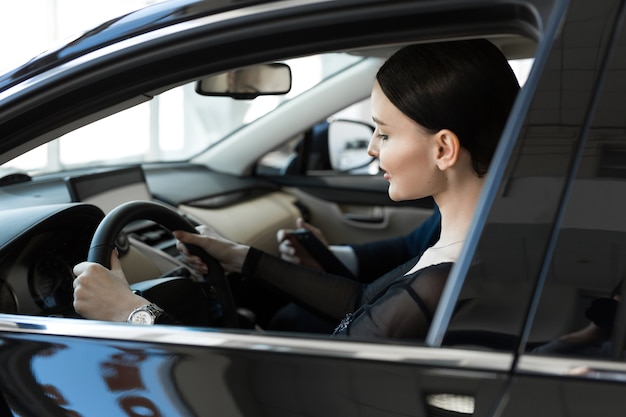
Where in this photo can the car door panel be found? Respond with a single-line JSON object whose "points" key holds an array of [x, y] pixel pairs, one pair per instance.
{"points": [[358, 223], [132, 369], [354, 208], [579, 394]]}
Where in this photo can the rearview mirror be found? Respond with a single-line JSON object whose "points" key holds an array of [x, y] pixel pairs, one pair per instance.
{"points": [[248, 82]]}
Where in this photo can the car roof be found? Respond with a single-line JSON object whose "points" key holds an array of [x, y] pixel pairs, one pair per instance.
{"points": [[171, 12], [147, 19]]}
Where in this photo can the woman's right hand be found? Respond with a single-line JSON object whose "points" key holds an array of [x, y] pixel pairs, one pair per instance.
{"points": [[230, 255], [291, 251]]}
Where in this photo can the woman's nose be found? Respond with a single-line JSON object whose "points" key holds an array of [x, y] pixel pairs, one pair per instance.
{"points": [[372, 147]]}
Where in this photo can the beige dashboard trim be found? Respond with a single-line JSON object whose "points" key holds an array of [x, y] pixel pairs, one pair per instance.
{"points": [[253, 222]]}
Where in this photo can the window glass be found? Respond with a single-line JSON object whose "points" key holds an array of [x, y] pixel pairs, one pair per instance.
{"points": [[497, 287], [583, 285]]}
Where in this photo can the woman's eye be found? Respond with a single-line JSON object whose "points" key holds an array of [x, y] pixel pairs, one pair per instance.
{"points": [[382, 136]]}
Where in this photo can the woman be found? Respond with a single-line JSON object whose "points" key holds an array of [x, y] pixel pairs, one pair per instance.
{"points": [[439, 111]]}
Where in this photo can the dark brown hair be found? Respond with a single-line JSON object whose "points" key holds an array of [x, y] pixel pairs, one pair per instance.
{"points": [[465, 86]]}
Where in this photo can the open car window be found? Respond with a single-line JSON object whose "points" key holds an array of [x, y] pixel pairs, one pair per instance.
{"points": [[173, 126]]}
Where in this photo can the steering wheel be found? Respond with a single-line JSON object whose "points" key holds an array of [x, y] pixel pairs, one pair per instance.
{"points": [[209, 302]]}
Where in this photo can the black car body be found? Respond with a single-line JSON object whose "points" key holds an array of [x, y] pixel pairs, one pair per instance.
{"points": [[548, 237]]}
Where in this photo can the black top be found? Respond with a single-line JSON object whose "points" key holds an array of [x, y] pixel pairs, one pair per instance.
{"points": [[379, 257], [393, 306]]}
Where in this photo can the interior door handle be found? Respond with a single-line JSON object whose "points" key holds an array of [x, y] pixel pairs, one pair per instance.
{"points": [[368, 214], [363, 218]]}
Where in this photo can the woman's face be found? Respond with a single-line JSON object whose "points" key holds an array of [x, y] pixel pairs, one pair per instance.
{"points": [[405, 149]]}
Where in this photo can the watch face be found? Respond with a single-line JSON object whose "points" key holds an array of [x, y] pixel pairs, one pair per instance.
{"points": [[141, 317]]}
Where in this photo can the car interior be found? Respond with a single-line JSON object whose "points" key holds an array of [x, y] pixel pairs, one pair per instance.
{"points": [[247, 185]]}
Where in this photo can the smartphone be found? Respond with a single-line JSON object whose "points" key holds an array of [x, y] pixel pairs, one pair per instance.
{"points": [[321, 253]]}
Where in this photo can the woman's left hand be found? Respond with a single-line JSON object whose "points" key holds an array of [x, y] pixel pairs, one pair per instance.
{"points": [[104, 294]]}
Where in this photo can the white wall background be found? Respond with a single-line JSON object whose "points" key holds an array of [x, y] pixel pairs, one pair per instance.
{"points": [[29, 27]]}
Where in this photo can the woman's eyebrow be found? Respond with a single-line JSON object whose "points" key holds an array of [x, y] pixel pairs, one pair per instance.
{"points": [[377, 121]]}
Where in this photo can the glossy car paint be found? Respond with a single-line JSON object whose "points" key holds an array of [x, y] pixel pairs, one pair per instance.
{"points": [[187, 371]]}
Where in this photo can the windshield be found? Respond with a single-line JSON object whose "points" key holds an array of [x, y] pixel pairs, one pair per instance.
{"points": [[173, 126]]}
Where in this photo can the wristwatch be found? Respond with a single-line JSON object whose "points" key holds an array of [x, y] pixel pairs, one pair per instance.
{"points": [[146, 314]]}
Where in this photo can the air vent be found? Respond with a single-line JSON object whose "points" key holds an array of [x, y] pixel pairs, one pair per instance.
{"points": [[14, 178], [153, 235]]}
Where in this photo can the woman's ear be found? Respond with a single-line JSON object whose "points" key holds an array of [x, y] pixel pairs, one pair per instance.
{"points": [[448, 149]]}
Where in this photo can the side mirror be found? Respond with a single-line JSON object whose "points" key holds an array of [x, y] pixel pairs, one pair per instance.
{"points": [[248, 82], [347, 142]]}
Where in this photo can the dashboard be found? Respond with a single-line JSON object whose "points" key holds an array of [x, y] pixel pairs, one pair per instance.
{"points": [[36, 263], [40, 244], [48, 223]]}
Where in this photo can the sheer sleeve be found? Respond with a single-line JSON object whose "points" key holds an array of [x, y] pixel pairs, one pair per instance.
{"points": [[394, 306], [397, 306], [330, 295]]}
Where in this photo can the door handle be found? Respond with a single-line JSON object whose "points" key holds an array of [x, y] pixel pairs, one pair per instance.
{"points": [[363, 218], [450, 404], [369, 214]]}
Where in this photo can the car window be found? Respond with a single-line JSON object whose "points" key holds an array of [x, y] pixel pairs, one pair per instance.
{"points": [[584, 282], [175, 125], [513, 261]]}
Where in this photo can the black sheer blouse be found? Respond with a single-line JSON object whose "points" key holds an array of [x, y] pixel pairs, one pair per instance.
{"points": [[393, 306]]}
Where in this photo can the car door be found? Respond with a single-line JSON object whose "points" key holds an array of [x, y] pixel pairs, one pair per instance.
{"points": [[546, 277], [580, 370]]}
